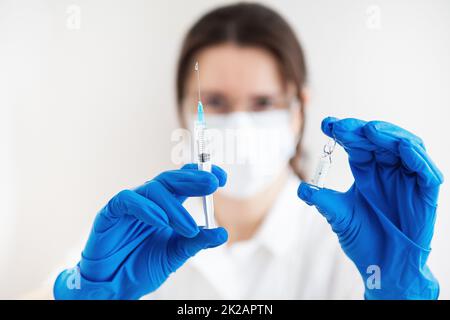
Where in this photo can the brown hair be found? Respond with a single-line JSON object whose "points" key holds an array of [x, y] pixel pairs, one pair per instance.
{"points": [[248, 24]]}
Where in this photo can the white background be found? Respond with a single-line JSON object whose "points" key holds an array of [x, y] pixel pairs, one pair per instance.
{"points": [[87, 112]]}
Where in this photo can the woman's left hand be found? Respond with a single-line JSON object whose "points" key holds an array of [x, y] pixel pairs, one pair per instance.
{"points": [[385, 221]]}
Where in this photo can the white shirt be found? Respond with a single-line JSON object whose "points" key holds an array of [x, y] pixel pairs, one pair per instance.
{"points": [[293, 255]]}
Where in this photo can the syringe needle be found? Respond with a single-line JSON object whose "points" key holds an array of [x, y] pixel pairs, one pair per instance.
{"points": [[197, 69]]}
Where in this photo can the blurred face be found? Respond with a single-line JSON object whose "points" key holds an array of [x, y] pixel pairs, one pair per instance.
{"points": [[243, 93], [238, 79]]}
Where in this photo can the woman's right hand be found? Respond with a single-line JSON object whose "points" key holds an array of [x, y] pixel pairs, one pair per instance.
{"points": [[141, 236]]}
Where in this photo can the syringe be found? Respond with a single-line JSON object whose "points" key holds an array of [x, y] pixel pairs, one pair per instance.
{"points": [[204, 157]]}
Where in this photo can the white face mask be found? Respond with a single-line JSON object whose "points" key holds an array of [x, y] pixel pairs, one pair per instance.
{"points": [[252, 147]]}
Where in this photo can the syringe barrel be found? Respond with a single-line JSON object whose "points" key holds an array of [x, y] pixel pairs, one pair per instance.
{"points": [[201, 138], [204, 164], [207, 201]]}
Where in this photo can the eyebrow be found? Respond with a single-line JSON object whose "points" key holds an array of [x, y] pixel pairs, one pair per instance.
{"points": [[255, 95]]}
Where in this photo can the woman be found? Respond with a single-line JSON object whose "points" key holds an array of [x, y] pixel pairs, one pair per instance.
{"points": [[254, 76]]}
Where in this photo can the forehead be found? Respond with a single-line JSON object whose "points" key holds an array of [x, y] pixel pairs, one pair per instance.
{"points": [[237, 69]]}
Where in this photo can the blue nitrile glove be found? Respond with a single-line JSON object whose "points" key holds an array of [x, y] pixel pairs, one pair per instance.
{"points": [[140, 237], [386, 219]]}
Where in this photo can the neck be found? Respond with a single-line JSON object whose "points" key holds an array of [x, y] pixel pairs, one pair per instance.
{"points": [[242, 217]]}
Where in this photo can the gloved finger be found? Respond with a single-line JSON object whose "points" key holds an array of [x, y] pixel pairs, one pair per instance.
{"points": [[185, 248], [331, 204], [128, 202], [189, 183], [179, 218], [185, 183], [387, 135], [416, 159], [386, 157], [409, 147], [348, 133], [220, 174]]}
